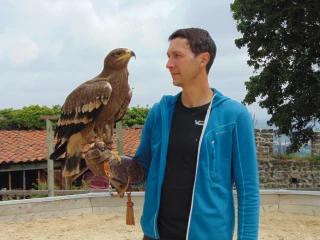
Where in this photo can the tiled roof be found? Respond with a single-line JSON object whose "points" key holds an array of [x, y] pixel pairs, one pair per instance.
{"points": [[31, 145]]}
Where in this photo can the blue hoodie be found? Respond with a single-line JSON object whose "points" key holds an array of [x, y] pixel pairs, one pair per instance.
{"points": [[226, 156]]}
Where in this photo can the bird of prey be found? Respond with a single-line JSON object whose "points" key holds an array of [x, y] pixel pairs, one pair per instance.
{"points": [[90, 111]]}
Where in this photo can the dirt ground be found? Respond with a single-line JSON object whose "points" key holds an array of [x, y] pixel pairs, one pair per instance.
{"points": [[275, 226]]}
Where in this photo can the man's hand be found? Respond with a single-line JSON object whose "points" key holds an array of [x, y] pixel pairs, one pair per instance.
{"points": [[121, 170]]}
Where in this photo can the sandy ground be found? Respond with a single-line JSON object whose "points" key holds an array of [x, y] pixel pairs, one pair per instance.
{"points": [[275, 226]]}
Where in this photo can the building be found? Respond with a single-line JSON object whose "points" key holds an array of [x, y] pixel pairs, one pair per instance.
{"points": [[23, 158]]}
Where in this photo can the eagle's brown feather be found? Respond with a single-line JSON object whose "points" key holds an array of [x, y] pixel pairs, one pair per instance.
{"points": [[83, 100], [124, 107]]}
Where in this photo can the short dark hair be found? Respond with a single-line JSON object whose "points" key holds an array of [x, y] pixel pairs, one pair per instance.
{"points": [[199, 41]]}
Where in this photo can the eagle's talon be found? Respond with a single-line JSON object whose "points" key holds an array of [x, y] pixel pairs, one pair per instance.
{"points": [[116, 155]]}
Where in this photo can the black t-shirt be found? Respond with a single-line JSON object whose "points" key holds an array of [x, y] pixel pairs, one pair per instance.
{"points": [[176, 194]]}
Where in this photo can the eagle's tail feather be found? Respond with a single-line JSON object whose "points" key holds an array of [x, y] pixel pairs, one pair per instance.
{"points": [[59, 150], [71, 166]]}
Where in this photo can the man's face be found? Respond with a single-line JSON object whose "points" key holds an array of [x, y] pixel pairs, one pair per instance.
{"points": [[182, 64]]}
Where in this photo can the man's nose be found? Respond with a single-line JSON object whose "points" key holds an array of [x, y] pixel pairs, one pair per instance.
{"points": [[170, 63]]}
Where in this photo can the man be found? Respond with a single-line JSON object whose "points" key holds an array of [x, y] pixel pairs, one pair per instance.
{"points": [[194, 147]]}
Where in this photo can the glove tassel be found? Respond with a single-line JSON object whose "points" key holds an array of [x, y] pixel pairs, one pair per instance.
{"points": [[130, 215]]}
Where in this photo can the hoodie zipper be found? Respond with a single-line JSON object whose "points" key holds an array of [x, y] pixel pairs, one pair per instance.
{"points": [[164, 146], [199, 147]]}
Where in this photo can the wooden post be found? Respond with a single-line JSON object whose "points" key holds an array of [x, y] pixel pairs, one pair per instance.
{"points": [[24, 182], [62, 179], [119, 134], [4, 197], [10, 185], [50, 177], [24, 179], [39, 177], [119, 137]]}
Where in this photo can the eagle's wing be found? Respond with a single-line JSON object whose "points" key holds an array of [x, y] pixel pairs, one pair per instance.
{"points": [[82, 106], [124, 107], [107, 127]]}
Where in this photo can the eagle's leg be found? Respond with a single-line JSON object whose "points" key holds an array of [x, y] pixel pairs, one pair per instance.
{"points": [[106, 132], [87, 141], [103, 135]]}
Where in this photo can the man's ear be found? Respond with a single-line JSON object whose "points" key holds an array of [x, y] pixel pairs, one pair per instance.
{"points": [[204, 59]]}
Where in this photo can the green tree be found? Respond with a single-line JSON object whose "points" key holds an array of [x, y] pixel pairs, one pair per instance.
{"points": [[27, 117], [137, 114], [283, 42]]}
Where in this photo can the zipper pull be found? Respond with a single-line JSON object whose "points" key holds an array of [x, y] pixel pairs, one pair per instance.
{"points": [[213, 149]]}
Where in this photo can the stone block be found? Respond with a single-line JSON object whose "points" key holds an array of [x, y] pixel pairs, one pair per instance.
{"points": [[272, 199], [310, 200], [115, 210], [42, 215], [267, 130], [300, 209], [108, 201], [269, 208], [45, 206], [267, 135]]}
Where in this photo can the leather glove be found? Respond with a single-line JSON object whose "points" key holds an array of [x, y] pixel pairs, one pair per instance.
{"points": [[122, 171]]}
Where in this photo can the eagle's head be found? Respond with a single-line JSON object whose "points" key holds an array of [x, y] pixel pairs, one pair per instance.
{"points": [[118, 58]]}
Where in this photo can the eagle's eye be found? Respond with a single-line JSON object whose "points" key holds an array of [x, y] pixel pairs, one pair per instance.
{"points": [[118, 53]]}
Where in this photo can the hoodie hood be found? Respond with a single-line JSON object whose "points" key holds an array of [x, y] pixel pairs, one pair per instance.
{"points": [[217, 100]]}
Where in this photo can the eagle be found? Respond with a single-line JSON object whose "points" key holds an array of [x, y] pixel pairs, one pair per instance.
{"points": [[90, 111]]}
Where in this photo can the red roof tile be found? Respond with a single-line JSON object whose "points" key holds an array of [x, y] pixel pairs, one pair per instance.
{"points": [[31, 145]]}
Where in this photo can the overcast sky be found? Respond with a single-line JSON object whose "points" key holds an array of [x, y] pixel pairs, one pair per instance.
{"points": [[48, 48]]}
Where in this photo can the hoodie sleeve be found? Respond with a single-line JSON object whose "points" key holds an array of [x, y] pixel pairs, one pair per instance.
{"points": [[245, 172], [143, 154]]}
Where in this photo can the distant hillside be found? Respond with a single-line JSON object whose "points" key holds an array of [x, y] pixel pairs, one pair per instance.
{"points": [[262, 124], [282, 142]]}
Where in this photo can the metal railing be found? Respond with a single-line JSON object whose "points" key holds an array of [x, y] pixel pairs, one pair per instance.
{"points": [[22, 194]]}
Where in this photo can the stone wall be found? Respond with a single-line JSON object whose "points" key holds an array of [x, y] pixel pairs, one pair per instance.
{"points": [[264, 143], [275, 173], [315, 145], [289, 174]]}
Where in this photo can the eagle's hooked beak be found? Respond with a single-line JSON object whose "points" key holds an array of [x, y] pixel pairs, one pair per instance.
{"points": [[132, 54], [128, 55]]}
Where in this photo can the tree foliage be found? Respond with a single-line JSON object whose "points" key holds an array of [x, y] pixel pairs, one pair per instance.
{"points": [[137, 114], [29, 117], [283, 42]]}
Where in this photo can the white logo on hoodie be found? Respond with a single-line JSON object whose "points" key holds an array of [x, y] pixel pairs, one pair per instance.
{"points": [[199, 122]]}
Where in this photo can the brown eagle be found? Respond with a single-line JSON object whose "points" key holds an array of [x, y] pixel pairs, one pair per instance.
{"points": [[90, 110]]}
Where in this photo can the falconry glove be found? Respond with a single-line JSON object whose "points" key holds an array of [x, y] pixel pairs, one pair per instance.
{"points": [[121, 171]]}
